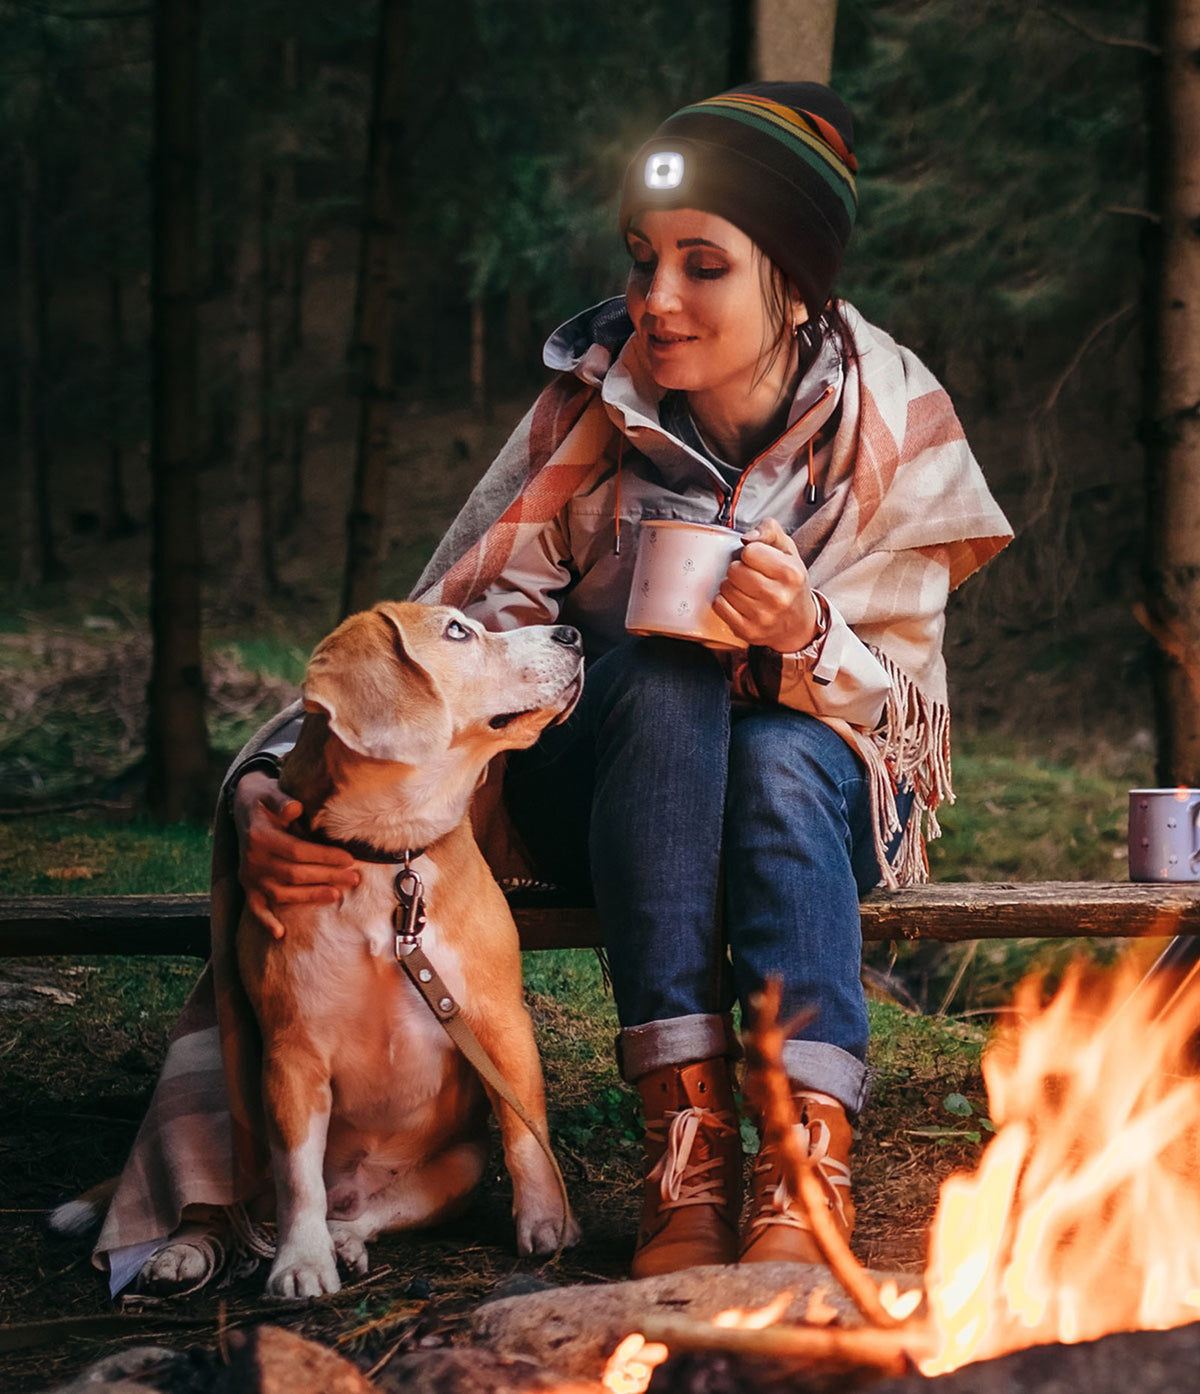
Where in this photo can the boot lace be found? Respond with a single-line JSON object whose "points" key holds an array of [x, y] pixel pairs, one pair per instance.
{"points": [[689, 1170], [780, 1208]]}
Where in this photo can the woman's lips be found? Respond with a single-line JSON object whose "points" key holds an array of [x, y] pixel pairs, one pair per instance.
{"points": [[660, 339]]}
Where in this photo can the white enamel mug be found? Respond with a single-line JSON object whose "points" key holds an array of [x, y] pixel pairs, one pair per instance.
{"points": [[679, 569], [1164, 834]]}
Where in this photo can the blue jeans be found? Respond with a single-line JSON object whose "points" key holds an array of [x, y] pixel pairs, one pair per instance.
{"points": [[723, 844]]}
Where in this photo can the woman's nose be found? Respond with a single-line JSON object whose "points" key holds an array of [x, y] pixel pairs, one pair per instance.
{"points": [[663, 294]]}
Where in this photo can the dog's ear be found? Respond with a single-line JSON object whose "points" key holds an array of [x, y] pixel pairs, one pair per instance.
{"points": [[379, 700]]}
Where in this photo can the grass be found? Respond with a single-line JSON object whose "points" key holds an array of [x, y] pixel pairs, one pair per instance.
{"points": [[1023, 817], [1019, 817], [81, 854]]}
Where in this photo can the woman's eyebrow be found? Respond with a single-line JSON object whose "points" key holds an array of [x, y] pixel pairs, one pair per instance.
{"points": [[698, 242]]}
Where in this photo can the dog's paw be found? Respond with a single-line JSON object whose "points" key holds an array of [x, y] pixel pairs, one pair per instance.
{"points": [[175, 1267], [299, 1276], [349, 1247], [538, 1232]]}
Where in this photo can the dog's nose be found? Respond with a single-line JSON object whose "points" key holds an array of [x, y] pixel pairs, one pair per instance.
{"points": [[568, 636]]}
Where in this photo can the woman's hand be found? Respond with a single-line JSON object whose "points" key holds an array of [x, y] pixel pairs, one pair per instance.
{"points": [[277, 869], [765, 597]]}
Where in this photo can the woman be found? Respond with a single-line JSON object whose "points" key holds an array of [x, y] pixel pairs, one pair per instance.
{"points": [[726, 813]]}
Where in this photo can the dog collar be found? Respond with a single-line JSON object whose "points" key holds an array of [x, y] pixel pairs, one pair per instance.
{"points": [[359, 848]]}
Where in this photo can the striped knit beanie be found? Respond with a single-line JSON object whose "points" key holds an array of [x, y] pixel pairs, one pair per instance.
{"points": [[776, 159]]}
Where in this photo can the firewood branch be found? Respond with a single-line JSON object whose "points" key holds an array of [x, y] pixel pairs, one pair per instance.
{"points": [[863, 1347], [768, 1087]]}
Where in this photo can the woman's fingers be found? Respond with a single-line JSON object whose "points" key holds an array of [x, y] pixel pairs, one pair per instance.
{"points": [[765, 597], [743, 581], [299, 893], [288, 872], [770, 533], [272, 843], [256, 902]]}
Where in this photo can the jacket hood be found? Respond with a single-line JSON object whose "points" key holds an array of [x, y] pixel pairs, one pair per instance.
{"points": [[589, 341]]}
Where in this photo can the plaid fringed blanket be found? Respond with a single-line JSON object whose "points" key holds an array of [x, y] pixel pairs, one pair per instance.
{"points": [[904, 498]]}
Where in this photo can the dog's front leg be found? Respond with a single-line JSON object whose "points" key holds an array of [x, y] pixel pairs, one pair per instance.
{"points": [[298, 1099], [537, 1200]]}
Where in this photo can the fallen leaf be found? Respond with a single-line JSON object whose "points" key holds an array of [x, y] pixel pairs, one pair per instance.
{"points": [[72, 873]]}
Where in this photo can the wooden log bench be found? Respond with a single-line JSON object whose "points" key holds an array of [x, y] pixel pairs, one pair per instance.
{"points": [[952, 911]]}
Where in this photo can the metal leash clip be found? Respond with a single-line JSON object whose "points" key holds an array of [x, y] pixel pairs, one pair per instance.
{"points": [[408, 918]]}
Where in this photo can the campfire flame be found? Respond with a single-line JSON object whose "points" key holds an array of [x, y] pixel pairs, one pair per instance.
{"points": [[631, 1365], [1084, 1215]]}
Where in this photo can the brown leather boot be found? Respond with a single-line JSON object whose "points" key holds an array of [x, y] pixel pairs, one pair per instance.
{"points": [[693, 1173], [777, 1229]]}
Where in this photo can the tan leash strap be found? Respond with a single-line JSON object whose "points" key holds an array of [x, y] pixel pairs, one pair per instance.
{"points": [[426, 979]]}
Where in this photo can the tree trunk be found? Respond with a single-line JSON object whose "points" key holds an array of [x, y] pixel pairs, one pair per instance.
{"points": [[375, 315], [290, 433], [177, 743], [118, 522], [793, 39], [1173, 554], [31, 565], [253, 562], [479, 354]]}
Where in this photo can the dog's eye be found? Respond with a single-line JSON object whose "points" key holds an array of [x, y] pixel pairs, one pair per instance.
{"points": [[457, 631]]}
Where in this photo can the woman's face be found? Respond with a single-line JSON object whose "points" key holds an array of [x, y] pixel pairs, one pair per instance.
{"points": [[696, 297]]}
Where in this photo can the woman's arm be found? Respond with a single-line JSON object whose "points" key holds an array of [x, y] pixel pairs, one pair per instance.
{"points": [[528, 589]]}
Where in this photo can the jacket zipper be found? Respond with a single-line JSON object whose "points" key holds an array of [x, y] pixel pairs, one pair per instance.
{"points": [[729, 501]]}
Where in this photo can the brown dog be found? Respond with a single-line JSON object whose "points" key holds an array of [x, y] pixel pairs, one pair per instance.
{"points": [[375, 1118]]}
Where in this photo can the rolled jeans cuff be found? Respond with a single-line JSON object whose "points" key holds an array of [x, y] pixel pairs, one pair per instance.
{"points": [[679, 1040], [828, 1069]]}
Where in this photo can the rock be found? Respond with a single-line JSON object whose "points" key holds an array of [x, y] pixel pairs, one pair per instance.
{"points": [[474, 1370], [575, 1329], [271, 1360], [118, 1374]]}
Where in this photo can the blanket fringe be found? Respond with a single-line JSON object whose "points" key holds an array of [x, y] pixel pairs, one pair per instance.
{"points": [[253, 1242], [909, 749]]}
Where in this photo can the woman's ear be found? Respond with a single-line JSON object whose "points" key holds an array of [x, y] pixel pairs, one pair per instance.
{"points": [[797, 309]]}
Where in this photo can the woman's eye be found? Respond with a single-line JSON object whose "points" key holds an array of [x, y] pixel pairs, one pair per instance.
{"points": [[454, 630], [703, 272], [642, 266]]}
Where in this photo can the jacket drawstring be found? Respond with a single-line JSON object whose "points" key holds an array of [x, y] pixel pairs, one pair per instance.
{"points": [[812, 493], [617, 504]]}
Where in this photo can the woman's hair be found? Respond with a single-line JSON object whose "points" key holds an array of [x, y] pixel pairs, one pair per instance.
{"points": [[779, 295]]}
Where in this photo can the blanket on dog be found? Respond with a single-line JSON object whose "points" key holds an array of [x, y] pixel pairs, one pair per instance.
{"points": [[904, 495], [202, 1141]]}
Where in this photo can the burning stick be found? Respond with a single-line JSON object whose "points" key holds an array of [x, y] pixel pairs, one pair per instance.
{"points": [[887, 1351], [767, 1080]]}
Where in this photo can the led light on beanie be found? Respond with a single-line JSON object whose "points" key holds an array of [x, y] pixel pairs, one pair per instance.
{"points": [[664, 170]]}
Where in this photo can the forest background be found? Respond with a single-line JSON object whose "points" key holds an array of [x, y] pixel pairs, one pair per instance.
{"points": [[1002, 152]]}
